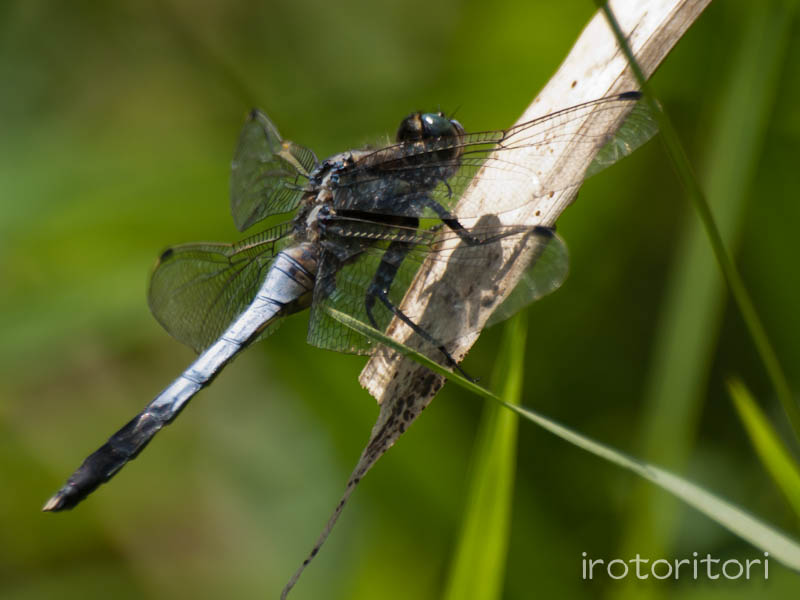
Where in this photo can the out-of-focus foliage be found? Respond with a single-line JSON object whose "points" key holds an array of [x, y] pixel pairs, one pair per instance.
{"points": [[118, 121], [777, 460]]}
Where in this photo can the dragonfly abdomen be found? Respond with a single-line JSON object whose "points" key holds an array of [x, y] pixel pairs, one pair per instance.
{"points": [[286, 288]]}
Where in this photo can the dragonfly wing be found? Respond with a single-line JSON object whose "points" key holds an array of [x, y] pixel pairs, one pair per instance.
{"points": [[546, 273], [396, 173], [639, 127], [345, 284], [324, 331], [268, 173], [196, 290]]}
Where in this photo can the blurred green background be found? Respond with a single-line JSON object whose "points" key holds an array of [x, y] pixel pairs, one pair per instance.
{"points": [[117, 126]]}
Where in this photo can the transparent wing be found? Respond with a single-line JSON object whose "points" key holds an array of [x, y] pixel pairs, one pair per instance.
{"points": [[394, 180], [268, 173], [344, 287], [544, 275], [344, 284], [196, 290], [639, 126]]}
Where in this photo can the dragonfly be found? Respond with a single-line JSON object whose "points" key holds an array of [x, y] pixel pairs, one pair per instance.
{"points": [[356, 228]]}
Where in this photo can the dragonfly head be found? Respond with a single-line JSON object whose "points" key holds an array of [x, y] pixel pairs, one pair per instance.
{"points": [[434, 140], [428, 126]]}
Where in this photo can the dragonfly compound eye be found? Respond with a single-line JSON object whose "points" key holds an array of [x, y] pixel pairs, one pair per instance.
{"points": [[426, 126], [436, 125]]}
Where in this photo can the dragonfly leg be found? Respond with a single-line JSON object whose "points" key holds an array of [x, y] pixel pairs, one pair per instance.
{"points": [[471, 240], [379, 290]]}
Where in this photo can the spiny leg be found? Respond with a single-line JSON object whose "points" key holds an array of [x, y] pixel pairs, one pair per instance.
{"points": [[452, 222], [379, 289]]}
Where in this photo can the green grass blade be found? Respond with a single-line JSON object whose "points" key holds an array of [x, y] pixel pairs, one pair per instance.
{"points": [[782, 467], [384, 339], [693, 309], [683, 168], [479, 559], [781, 547]]}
